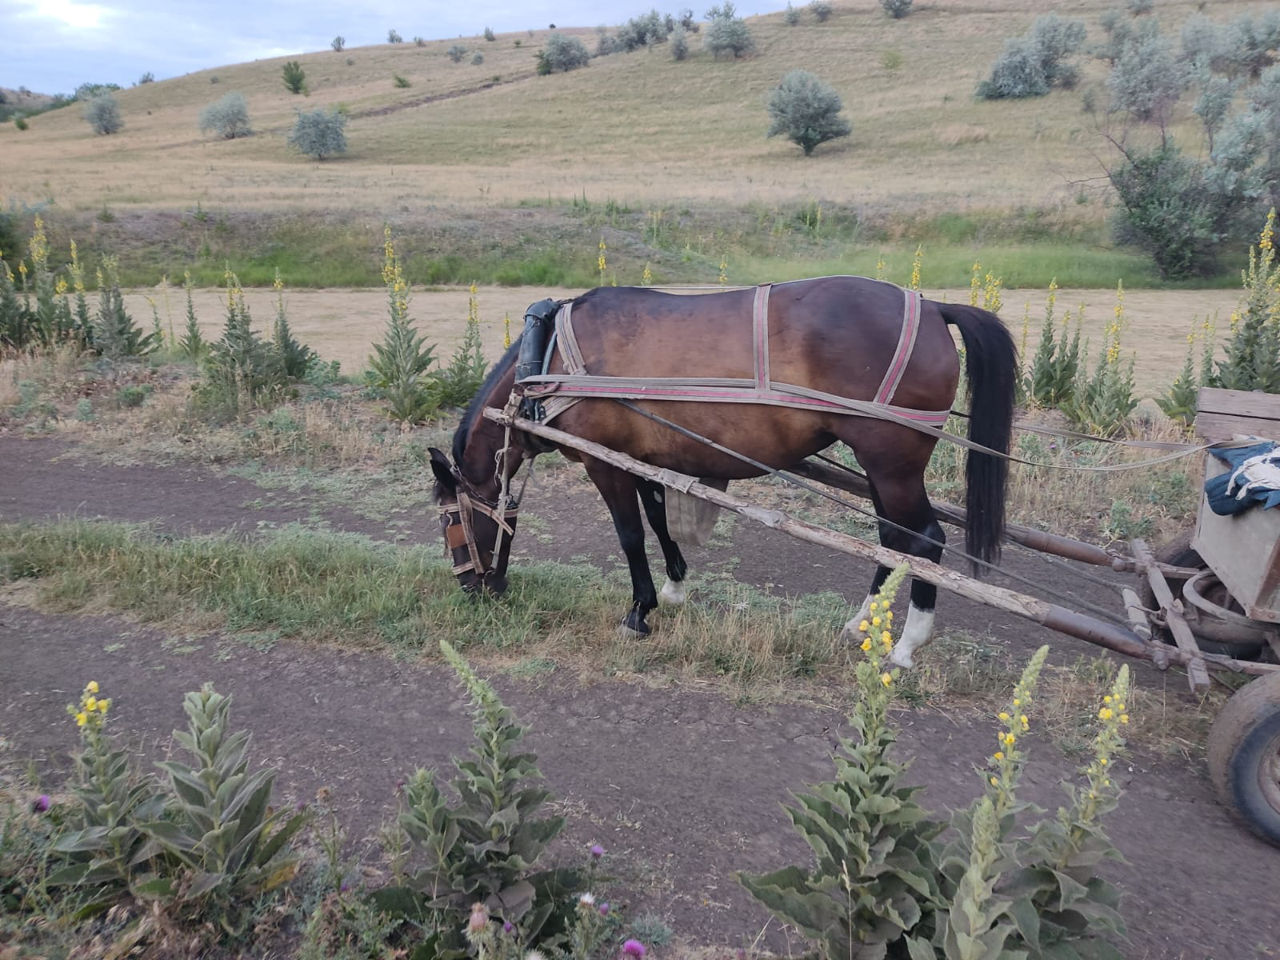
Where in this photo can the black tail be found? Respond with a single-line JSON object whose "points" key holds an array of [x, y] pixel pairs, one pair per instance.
{"points": [[991, 366]]}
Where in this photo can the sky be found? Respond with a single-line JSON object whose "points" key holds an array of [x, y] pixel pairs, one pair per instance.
{"points": [[53, 46]]}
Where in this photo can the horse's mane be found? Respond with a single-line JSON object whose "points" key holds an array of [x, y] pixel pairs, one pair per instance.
{"points": [[482, 395]]}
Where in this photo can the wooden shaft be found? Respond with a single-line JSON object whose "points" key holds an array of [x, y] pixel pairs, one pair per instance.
{"points": [[1030, 608]]}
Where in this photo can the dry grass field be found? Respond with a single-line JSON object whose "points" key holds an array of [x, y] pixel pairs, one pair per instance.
{"points": [[637, 128], [344, 324]]}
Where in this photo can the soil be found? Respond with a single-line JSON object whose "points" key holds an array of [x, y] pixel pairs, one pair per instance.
{"points": [[680, 784]]}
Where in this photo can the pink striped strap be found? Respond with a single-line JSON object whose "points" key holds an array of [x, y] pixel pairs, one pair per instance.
{"points": [[906, 345]]}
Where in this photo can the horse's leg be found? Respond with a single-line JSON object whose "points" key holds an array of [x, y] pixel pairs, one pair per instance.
{"points": [[897, 491], [653, 499], [618, 488]]}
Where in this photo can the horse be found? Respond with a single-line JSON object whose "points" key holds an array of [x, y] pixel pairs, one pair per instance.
{"points": [[827, 341]]}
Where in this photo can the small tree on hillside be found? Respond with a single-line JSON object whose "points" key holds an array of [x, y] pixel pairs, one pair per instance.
{"points": [[562, 54], [338, 43], [394, 37], [727, 32], [896, 8], [806, 110], [228, 117], [1031, 65], [456, 52], [821, 10], [294, 77], [679, 44], [319, 133], [1147, 81], [103, 114]]}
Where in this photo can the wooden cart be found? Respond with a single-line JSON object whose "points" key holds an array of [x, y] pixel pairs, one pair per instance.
{"points": [[1210, 604]]}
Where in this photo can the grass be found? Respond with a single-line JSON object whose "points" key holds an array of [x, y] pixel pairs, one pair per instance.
{"points": [[488, 171]]}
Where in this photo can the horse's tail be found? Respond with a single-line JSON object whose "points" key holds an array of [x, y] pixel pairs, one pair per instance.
{"points": [[991, 367]]}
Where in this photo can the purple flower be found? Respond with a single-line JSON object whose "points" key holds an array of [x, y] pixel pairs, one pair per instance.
{"points": [[633, 948], [508, 926], [344, 887], [604, 909], [597, 851], [41, 803]]}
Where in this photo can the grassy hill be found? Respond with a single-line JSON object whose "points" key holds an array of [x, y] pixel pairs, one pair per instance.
{"points": [[485, 167]]}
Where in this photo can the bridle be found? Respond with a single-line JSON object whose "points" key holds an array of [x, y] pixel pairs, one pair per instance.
{"points": [[459, 533]]}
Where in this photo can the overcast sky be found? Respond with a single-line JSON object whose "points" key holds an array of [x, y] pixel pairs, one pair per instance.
{"points": [[53, 46]]}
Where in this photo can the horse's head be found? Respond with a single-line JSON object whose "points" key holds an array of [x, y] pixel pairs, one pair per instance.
{"points": [[477, 526]]}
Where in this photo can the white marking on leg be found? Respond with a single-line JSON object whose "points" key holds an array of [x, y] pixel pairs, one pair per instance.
{"points": [[850, 630], [673, 592], [915, 635]]}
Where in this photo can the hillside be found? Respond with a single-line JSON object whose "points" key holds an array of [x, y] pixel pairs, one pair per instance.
{"points": [[638, 133]]}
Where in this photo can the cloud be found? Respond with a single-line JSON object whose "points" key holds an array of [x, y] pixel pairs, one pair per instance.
{"points": [[66, 14]]}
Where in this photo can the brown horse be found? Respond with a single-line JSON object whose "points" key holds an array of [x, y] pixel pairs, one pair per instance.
{"points": [[838, 336]]}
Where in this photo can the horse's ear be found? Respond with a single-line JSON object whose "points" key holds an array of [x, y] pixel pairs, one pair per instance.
{"points": [[443, 470]]}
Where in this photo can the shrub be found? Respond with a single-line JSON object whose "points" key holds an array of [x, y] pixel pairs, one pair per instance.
{"points": [[419, 42], [806, 110], [1252, 359], [562, 54], [228, 117], [679, 44], [458, 382], [1103, 403], [822, 10], [147, 77], [727, 32], [338, 43], [791, 16], [1214, 103], [295, 358], [400, 82], [87, 91], [489, 35], [294, 77], [645, 31], [456, 52], [1054, 369], [115, 334], [896, 8], [1031, 65], [393, 37], [191, 344], [319, 133], [477, 59], [1252, 42], [20, 122], [103, 114], [1262, 125], [241, 371], [1177, 209], [1147, 80]]}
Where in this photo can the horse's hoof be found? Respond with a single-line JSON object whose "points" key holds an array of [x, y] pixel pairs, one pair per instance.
{"points": [[899, 659], [633, 625], [674, 593]]}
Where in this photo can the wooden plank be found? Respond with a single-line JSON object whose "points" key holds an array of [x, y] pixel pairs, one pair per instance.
{"points": [[1243, 550], [1051, 615], [1217, 427], [1244, 403], [1197, 674]]}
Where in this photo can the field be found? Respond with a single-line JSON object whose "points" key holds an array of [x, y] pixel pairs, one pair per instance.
{"points": [[288, 549]]}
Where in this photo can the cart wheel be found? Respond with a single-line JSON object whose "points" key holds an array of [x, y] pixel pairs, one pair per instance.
{"points": [[1244, 755]]}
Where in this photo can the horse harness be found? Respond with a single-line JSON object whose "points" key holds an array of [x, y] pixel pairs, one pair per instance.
{"points": [[460, 534]]}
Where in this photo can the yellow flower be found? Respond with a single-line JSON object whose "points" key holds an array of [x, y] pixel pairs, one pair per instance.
{"points": [[886, 636], [1009, 739], [91, 703], [1103, 761], [1004, 717], [886, 679], [1105, 713], [864, 626], [1026, 724], [1124, 718], [92, 686], [103, 704], [888, 614], [1107, 698], [874, 606], [875, 621], [866, 644], [995, 781], [81, 719], [998, 755], [1016, 701]]}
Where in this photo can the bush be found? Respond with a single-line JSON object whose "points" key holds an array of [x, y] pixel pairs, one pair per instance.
{"points": [[1253, 42], [1031, 65], [338, 43], [822, 10], [147, 77], [727, 32], [294, 77], [228, 117], [103, 114], [319, 133], [806, 110], [896, 8], [400, 82], [477, 59], [400, 367], [679, 44], [1147, 80], [20, 122], [456, 52], [489, 34], [562, 54], [1253, 347], [791, 16], [393, 37]]}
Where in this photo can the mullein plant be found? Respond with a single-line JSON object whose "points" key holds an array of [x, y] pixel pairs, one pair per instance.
{"points": [[882, 885], [401, 363], [1104, 402], [295, 357], [458, 382], [192, 344], [1252, 360]]}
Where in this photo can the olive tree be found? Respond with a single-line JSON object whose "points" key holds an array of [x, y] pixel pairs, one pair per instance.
{"points": [[806, 110], [727, 32], [103, 114], [561, 54], [228, 117], [319, 133]]}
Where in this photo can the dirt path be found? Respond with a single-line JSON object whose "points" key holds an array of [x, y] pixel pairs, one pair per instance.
{"points": [[682, 786]]}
